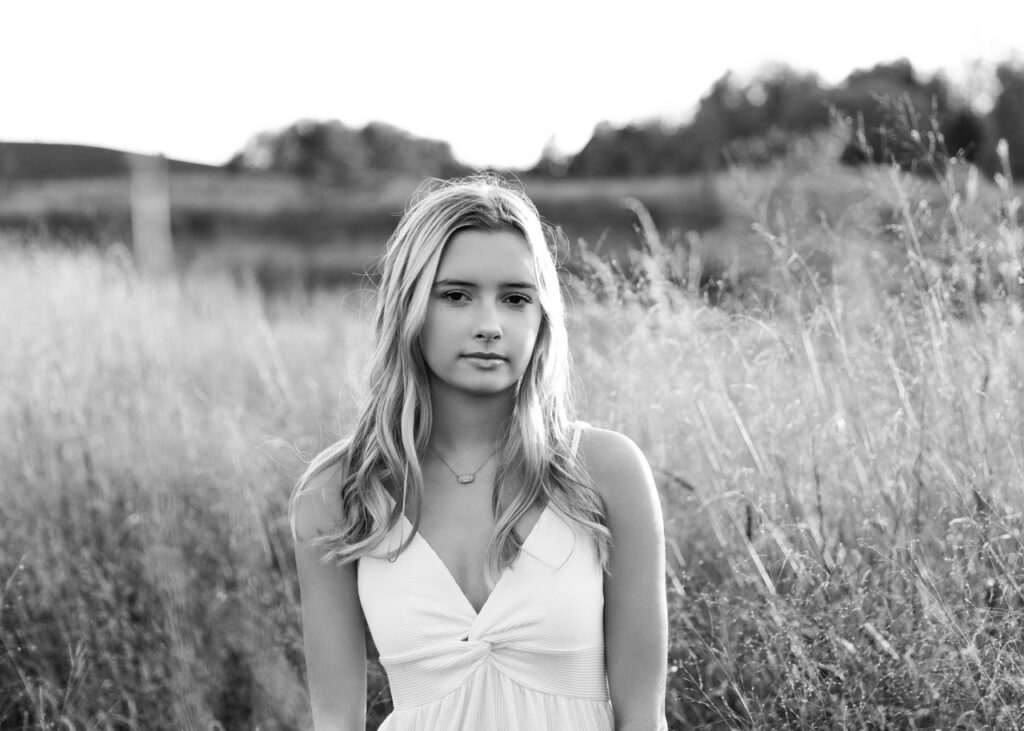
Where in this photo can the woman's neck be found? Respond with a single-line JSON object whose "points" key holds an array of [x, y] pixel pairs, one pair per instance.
{"points": [[462, 423]]}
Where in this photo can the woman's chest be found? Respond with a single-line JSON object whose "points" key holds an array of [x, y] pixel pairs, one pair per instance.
{"points": [[553, 590], [458, 529]]}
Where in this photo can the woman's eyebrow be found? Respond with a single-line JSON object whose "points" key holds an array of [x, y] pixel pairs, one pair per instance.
{"points": [[466, 283]]}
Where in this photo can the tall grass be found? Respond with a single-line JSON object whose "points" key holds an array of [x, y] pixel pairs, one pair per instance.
{"points": [[150, 434], [841, 458], [839, 447]]}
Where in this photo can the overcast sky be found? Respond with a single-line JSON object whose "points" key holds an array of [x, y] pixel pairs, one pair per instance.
{"points": [[195, 79]]}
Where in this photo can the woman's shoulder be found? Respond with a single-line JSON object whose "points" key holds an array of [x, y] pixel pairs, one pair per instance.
{"points": [[316, 504], [606, 450], [617, 467]]}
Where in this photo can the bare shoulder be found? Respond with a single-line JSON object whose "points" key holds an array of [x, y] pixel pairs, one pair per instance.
{"points": [[316, 508], [620, 472]]}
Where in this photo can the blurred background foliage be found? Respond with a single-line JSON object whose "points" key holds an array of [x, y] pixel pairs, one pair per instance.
{"points": [[330, 152], [758, 121], [312, 204]]}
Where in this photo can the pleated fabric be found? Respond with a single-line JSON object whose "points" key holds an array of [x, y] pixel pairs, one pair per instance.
{"points": [[532, 659]]}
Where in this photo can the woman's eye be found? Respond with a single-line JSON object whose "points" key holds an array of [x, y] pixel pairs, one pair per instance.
{"points": [[518, 299], [454, 296]]}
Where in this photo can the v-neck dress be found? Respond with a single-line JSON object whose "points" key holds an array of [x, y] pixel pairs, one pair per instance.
{"points": [[532, 658]]}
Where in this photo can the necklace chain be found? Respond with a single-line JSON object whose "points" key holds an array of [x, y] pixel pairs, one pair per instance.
{"points": [[468, 477]]}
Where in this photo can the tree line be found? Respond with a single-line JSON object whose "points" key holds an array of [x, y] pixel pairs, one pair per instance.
{"points": [[333, 153], [893, 114]]}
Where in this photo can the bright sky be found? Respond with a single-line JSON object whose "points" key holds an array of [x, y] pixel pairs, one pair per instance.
{"points": [[195, 79]]}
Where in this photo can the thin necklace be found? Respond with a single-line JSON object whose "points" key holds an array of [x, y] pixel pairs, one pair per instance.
{"points": [[469, 476]]}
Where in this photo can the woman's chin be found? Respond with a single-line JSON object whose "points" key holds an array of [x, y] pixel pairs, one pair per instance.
{"points": [[478, 387]]}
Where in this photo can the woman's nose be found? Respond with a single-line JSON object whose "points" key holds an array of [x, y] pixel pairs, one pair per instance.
{"points": [[487, 326], [486, 335]]}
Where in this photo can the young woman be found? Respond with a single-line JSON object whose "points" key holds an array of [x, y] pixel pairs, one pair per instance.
{"points": [[508, 562]]}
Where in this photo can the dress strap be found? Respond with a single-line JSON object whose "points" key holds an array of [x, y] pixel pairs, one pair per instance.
{"points": [[577, 433]]}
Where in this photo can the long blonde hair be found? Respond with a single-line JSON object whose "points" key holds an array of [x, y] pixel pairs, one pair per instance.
{"points": [[379, 471]]}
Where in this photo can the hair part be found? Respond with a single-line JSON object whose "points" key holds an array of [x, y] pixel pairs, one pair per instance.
{"points": [[376, 471]]}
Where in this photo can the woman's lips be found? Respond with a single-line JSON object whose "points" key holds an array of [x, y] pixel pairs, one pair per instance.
{"points": [[486, 361]]}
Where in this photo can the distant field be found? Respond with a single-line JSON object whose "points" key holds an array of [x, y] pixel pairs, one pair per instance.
{"points": [[233, 220], [249, 194], [284, 232], [837, 445]]}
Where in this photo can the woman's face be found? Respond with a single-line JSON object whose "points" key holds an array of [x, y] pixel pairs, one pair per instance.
{"points": [[484, 313]]}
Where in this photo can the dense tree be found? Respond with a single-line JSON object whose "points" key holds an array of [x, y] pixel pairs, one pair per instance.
{"points": [[1008, 113], [330, 152], [390, 149], [780, 100], [894, 111], [779, 97], [896, 114], [966, 134], [778, 103], [636, 149]]}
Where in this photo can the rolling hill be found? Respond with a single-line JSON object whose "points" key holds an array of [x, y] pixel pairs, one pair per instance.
{"points": [[20, 161]]}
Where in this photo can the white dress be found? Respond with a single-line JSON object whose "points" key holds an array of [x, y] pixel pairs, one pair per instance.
{"points": [[532, 659]]}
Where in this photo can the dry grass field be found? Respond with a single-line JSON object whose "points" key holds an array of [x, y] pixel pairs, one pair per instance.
{"points": [[839, 445], [291, 232]]}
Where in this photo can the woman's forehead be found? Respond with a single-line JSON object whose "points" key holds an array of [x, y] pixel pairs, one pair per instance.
{"points": [[487, 256]]}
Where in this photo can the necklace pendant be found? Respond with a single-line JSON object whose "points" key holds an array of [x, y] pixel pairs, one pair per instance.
{"points": [[466, 479]]}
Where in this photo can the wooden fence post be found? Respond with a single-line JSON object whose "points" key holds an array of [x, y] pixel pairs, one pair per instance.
{"points": [[151, 214]]}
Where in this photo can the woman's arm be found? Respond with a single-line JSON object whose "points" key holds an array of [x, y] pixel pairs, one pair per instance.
{"points": [[635, 614], [332, 621]]}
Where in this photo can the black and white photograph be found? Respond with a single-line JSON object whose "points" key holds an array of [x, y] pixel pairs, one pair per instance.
{"points": [[539, 366]]}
